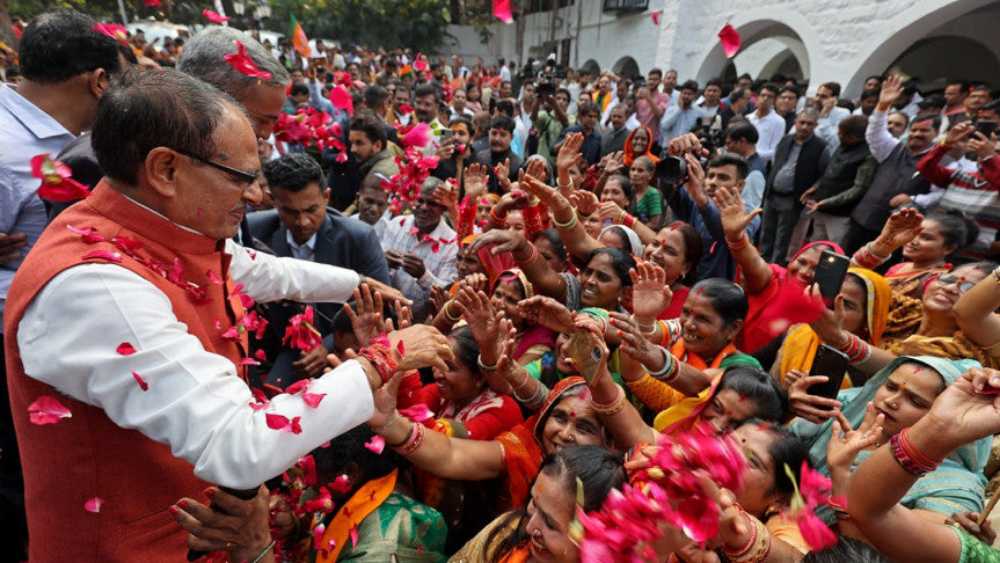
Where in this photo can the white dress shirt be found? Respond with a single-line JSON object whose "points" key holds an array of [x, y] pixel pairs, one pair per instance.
{"points": [[195, 401], [304, 251], [770, 130], [439, 267], [27, 131]]}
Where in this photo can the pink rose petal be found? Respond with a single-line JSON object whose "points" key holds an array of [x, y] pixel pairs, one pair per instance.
{"points": [[418, 413], [142, 382], [376, 444], [108, 255], [47, 410], [313, 399], [342, 484], [125, 349], [93, 505]]}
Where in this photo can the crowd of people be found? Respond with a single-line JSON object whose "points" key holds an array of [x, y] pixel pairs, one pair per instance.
{"points": [[377, 306]]}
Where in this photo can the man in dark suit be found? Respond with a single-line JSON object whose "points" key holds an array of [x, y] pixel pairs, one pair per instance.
{"points": [[799, 162], [302, 226]]}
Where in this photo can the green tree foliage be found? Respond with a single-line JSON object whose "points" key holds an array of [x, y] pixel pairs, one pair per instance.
{"points": [[418, 24]]}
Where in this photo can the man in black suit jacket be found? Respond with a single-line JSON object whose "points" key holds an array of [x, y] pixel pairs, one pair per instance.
{"points": [[302, 226]]}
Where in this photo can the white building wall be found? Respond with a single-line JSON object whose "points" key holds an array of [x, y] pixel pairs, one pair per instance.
{"points": [[841, 40]]}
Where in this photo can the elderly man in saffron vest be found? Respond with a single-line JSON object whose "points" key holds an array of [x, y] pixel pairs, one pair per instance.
{"points": [[126, 335]]}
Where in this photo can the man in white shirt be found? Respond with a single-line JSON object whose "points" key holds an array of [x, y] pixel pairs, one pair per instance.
{"points": [[55, 101], [770, 126], [135, 345], [830, 114], [421, 249]]}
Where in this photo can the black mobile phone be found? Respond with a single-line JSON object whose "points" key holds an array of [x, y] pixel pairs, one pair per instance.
{"points": [[830, 272], [987, 128], [833, 364]]}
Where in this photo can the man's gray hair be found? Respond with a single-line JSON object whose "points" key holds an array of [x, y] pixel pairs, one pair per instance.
{"points": [[203, 58], [809, 113]]}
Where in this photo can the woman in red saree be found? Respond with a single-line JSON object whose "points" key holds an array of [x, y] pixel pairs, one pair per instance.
{"points": [[778, 296], [566, 418]]}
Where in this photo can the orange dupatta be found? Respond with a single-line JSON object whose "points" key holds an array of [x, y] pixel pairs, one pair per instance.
{"points": [[687, 410], [518, 555], [522, 450], [368, 498]]}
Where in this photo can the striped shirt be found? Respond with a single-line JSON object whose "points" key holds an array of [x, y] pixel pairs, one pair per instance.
{"points": [[973, 192]]}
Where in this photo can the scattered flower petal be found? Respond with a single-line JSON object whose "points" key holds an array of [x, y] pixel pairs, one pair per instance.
{"points": [[313, 399], [47, 410], [142, 382], [125, 349], [214, 17], [376, 445], [730, 39], [58, 184], [93, 504], [88, 234], [108, 255], [418, 413], [244, 64], [342, 484]]}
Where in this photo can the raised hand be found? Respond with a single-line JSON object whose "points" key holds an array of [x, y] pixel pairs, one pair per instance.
{"points": [[387, 292], [902, 227], [547, 194], [478, 313], [504, 240], [967, 409], [569, 150], [476, 180], [536, 168], [502, 172], [548, 312], [813, 408], [634, 343], [846, 442], [423, 346], [651, 293], [385, 402], [892, 88], [958, 132], [735, 218], [585, 201], [588, 353], [610, 211], [366, 315]]}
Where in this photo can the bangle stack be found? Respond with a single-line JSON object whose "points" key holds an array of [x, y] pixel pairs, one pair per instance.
{"points": [[567, 225], [483, 366], [857, 351], [735, 245], [413, 440], [756, 549], [866, 257], [532, 254], [628, 220], [612, 408], [533, 402], [381, 357], [496, 218], [912, 460], [670, 367], [263, 552], [647, 330], [447, 313]]}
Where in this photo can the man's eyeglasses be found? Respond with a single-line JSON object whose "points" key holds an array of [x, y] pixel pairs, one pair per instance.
{"points": [[246, 177], [959, 282]]}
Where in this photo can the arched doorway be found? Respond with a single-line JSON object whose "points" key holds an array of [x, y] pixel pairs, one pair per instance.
{"points": [[591, 67], [953, 57], [783, 31], [626, 67], [923, 20]]}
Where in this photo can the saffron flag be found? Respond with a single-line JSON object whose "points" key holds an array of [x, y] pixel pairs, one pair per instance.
{"points": [[299, 40]]}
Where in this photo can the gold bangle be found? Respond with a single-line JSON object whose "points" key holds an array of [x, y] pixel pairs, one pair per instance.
{"points": [[567, 225], [614, 407], [448, 314]]}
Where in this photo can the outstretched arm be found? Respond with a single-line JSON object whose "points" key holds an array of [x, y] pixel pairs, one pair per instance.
{"points": [[735, 220]]}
